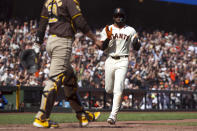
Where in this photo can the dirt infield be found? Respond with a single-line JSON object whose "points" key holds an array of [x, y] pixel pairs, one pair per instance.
{"points": [[104, 126]]}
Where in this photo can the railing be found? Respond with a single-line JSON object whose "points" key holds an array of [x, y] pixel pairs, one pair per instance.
{"points": [[98, 99]]}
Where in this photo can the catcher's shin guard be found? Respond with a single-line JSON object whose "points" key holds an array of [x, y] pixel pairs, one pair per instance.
{"points": [[75, 101], [48, 99], [71, 94], [49, 96]]}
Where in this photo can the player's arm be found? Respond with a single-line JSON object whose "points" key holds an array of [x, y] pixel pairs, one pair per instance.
{"points": [[80, 22], [108, 33], [42, 26], [105, 44], [77, 18], [39, 37]]}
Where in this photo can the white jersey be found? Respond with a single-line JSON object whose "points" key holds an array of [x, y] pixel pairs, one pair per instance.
{"points": [[121, 40]]}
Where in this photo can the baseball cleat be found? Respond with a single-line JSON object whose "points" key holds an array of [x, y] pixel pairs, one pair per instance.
{"points": [[86, 117], [83, 120], [45, 124], [111, 121], [96, 115], [92, 116]]}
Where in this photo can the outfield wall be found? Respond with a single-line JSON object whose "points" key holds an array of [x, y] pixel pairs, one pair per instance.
{"points": [[97, 99]]}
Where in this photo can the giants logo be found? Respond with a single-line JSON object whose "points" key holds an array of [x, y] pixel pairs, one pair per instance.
{"points": [[120, 36]]}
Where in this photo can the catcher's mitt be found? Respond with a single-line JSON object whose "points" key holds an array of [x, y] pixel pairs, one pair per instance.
{"points": [[29, 60]]}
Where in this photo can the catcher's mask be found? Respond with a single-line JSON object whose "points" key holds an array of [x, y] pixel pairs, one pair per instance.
{"points": [[28, 59], [119, 16]]}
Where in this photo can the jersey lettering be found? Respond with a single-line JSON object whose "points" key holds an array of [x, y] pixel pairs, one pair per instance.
{"points": [[120, 36], [52, 6], [115, 36]]}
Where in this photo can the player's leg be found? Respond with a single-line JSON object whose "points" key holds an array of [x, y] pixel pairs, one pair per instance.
{"points": [[70, 90], [120, 75], [70, 82], [48, 98], [59, 50], [109, 75]]}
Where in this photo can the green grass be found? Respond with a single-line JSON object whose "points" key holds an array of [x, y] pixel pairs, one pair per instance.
{"points": [[27, 118], [148, 116]]}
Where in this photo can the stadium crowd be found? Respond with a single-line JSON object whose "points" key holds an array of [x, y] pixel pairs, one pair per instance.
{"points": [[166, 61]]}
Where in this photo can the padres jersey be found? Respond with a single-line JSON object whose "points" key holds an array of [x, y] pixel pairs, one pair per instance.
{"points": [[121, 40], [63, 17]]}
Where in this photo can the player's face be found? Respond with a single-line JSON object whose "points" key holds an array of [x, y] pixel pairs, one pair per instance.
{"points": [[118, 16], [119, 19]]}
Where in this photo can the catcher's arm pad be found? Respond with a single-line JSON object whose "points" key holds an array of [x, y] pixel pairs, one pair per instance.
{"points": [[136, 43], [29, 60]]}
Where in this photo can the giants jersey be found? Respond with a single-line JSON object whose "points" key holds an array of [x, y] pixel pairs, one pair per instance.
{"points": [[121, 40]]}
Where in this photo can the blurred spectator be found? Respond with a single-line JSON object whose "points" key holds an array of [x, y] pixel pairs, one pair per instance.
{"points": [[165, 57], [3, 100], [166, 61], [126, 103]]}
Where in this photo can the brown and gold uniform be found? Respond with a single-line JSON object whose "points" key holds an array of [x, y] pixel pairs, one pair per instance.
{"points": [[64, 18]]}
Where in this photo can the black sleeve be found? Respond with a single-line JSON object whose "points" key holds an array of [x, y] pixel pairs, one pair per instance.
{"points": [[136, 44], [105, 44]]}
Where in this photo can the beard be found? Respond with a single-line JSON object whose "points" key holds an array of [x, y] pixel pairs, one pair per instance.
{"points": [[120, 24]]}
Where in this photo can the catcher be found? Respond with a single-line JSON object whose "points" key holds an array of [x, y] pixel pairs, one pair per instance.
{"points": [[63, 18]]}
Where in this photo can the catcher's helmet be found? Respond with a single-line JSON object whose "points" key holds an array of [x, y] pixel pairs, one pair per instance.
{"points": [[119, 12], [29, 61]]}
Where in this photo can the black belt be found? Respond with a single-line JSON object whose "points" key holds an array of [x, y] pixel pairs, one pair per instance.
{"points": [[118, 57]]}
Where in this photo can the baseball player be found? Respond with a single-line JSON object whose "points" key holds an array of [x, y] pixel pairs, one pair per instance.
{"points": [[64, 17], [117, 40]]}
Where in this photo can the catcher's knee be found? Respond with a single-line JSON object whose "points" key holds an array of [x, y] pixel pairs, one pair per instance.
{"points": [[70, 79], [66, 78], [49, 92]]}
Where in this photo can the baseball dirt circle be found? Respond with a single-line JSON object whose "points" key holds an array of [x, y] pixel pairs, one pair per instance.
{"points": [[104, 126]]}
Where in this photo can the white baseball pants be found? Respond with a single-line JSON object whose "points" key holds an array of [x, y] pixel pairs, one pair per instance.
{"points": [[115, 73]]}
